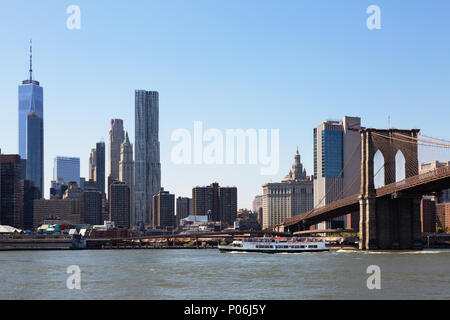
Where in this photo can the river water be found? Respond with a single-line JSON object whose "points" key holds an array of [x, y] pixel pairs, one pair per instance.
{"points": [[209, 274]]}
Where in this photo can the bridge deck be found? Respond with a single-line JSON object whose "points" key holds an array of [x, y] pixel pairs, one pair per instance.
{"points": [[435, 180]]}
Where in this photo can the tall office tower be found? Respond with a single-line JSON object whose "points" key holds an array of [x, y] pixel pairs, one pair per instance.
{"points": [[337, 143], [92, 164], [31, 99], [147, 161], [184, 208], [66, 169], [163, 210], [11, 191], [290, 197], [119, 204], [205, 201], [100, 166], [126, 172], [116, 138], [228, 204], [35, 151], [92, 207], [30, 193], [219, 203]]}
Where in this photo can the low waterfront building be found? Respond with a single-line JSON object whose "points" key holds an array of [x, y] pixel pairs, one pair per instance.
{"points": [[60, 209]]}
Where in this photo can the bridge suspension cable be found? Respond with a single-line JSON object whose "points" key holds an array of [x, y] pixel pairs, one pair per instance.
{"points": [[433, 138], [422, 140], [409, 141]]}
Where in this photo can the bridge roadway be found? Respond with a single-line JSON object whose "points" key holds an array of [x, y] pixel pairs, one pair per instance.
{"points": [[425, 183]]}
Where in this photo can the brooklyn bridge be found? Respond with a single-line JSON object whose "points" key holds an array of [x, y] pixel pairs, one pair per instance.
{"points": [[389, 216]]}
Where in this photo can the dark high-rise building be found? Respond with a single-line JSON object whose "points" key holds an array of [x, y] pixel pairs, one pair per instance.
{"points": [[428, 215], [220, 203], [119, 204], [163, 210], [11, 199], [228, 204], [100, 166], [147, 161], [30, 193], [184, 208], [35, 150], [205, 201], [92, 207]]}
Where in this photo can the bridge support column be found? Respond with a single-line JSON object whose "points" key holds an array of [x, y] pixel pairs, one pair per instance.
{"points": [[368, 224], [371, 224], [362, 224]]}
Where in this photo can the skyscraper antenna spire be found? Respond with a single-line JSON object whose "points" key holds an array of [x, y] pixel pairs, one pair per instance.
{"points": [[31, 63]]}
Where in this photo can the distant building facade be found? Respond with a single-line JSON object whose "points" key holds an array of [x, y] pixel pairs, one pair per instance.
{"points": [[67, 210], [116, 138], [126, 173], [163, 210], [11, 191], [35, 150], [119, 204], [184, 208], [30, 193], [92, 207], [290, 197], [444, 196], [93, 165], [100, 166], [219, 203], [257, 207]]}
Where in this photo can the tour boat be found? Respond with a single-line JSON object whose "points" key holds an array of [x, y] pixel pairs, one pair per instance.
{"points": [[273, 245]]}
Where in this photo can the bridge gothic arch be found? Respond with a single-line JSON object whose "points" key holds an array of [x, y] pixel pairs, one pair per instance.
{"points": [[392, 221]]}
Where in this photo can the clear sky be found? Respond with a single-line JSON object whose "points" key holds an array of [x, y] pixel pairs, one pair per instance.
{"points": [[261, 64]]}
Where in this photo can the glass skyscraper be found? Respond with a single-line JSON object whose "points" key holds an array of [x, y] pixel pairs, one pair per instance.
{"points": [[67, 169], [31, 101]]}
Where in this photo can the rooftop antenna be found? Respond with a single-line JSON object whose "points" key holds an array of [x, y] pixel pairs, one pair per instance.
{"points": [[31, 63]]}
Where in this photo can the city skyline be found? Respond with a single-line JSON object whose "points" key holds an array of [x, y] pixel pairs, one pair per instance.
{"points": [[187, 97]]}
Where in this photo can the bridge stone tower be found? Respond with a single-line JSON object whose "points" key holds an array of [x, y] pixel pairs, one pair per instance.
{"points": [[392, 221]]}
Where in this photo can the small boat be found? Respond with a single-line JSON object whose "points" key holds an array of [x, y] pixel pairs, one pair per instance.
{"points": [[273, 245]]}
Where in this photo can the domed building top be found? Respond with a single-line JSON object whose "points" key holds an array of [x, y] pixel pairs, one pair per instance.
{"points": [[297, 172]]}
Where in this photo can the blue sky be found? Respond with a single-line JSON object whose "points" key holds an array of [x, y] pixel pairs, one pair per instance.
{"points": [[260, 64]]}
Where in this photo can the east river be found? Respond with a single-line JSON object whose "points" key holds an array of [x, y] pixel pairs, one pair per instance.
{"points": [[209, 274]]}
